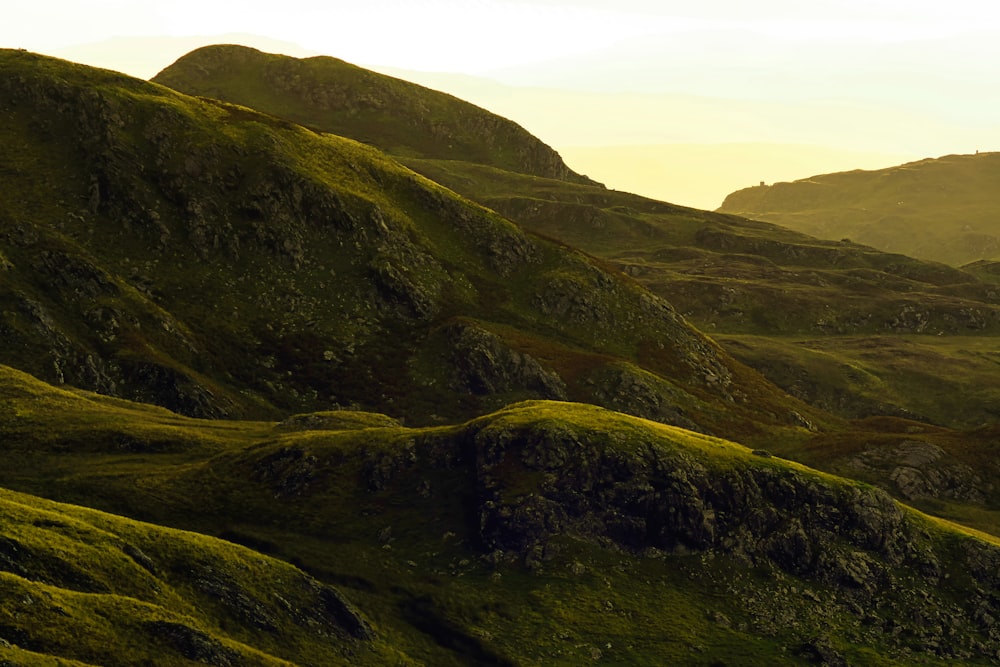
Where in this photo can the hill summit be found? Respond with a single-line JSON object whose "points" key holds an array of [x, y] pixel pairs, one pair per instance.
{"points": [[401, 118], [945, 209]]}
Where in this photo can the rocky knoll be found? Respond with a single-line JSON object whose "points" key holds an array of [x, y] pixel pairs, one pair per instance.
{"points": [[801, 555], [644, 492]]}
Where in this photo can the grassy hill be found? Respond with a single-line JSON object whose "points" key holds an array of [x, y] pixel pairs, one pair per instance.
{"points": [[393, 338], [941, 209], [727, 275], [401, 118], [220, 261], [544, 533]]}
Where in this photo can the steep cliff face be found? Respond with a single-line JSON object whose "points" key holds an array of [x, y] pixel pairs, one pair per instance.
{"points": [[333, 96]]}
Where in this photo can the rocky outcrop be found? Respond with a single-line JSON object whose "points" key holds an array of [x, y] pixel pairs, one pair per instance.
{"points": [[919, 470], [483, 364], [650, 497]]}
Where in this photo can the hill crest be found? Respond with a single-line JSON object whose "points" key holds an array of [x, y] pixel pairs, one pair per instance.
{"points": [[942, 209], [401, 118]]}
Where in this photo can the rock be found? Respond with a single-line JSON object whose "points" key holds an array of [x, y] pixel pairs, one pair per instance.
{"points": [[484, 364], [289, 471], [193, 644], [345, 614], [921, 470], [819, 650]]}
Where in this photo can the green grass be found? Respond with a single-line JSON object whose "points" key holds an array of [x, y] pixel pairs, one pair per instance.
{"points": [[80, 585], [390, 516], [942, 209], [334, 96], [945, 380]]}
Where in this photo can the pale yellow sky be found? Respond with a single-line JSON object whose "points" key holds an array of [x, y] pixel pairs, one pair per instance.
{"points": [[882, 78], [475, 36]]}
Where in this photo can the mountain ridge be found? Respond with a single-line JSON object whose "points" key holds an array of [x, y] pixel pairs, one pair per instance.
{"points": [[400, 117], [732, 276], [942, 209], [221, 261]]}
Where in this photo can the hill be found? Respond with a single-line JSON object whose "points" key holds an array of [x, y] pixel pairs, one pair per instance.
{"points": [[942, 209], [224, 262], [725, 274], [401, 118], [546, 532]]}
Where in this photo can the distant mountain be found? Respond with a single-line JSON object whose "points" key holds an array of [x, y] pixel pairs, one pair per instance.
{"points": [[945, 209], [399, 117], [701, 175]]}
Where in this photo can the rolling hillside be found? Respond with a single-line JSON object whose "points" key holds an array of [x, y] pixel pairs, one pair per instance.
{"points": [[403, 429], [223, 262], [545, 533], [401, 118], [725, 274], [944, 209]]}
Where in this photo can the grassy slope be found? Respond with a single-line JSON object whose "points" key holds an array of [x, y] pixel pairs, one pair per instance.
{"points": [[94, 588], [944, 380], [735, 275], [395, 518], [820, 318], [725, 274], [399, 117], [941, 209], [221, 261]]}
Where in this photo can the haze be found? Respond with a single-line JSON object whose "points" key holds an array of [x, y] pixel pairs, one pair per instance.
{"points": [[680, 101]]}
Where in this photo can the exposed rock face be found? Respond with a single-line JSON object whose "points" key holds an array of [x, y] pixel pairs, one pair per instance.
{"points": [[485, 365], [645, 498], [666, 500], [919, 470]]}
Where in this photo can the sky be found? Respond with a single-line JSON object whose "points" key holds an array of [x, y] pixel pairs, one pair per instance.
{"points": [[826, 85]]}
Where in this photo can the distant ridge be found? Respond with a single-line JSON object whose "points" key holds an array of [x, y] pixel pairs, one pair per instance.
{"points": [[945, 209], [401, 118]]}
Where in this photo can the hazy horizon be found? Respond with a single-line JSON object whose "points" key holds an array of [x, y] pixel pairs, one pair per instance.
{"points": [[811, 87]]}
